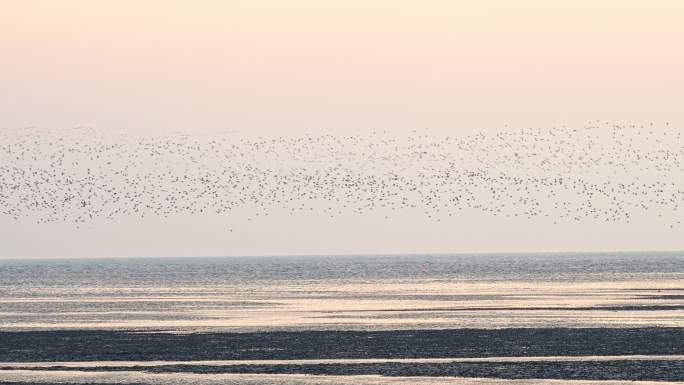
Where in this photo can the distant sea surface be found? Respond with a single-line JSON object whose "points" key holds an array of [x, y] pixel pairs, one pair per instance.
{"points": [[291, 307], [341, 292]]}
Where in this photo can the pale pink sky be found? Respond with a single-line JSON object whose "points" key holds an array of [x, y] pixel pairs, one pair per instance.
{"points": [[310, 65], [298, 66]]}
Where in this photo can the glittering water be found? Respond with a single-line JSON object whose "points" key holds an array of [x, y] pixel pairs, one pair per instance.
{"points": [[281, 379], [360, 292]]}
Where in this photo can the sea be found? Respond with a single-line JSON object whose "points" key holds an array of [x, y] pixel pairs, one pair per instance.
{"points": [[366, 319]]}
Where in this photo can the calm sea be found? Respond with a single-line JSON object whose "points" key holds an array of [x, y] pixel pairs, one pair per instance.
{"points": [[369, 292]]}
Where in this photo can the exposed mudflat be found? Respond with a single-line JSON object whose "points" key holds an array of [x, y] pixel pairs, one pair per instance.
{"points": [[94, 345], [634, 370]]}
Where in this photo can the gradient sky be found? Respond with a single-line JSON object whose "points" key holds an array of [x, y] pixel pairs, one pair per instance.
{"points": [[307, 66]]}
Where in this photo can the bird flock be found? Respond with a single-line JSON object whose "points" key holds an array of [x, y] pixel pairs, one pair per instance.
{"points": [[597, 172]]}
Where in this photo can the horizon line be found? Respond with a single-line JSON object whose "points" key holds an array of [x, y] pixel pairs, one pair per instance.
{"points": [[344, 255]]}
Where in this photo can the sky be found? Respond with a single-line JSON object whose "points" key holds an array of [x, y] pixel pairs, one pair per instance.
{"points": [[305, 66]]}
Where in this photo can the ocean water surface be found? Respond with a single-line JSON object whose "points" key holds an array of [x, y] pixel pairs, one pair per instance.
{"points": [[514, 318], [344, 293]]}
